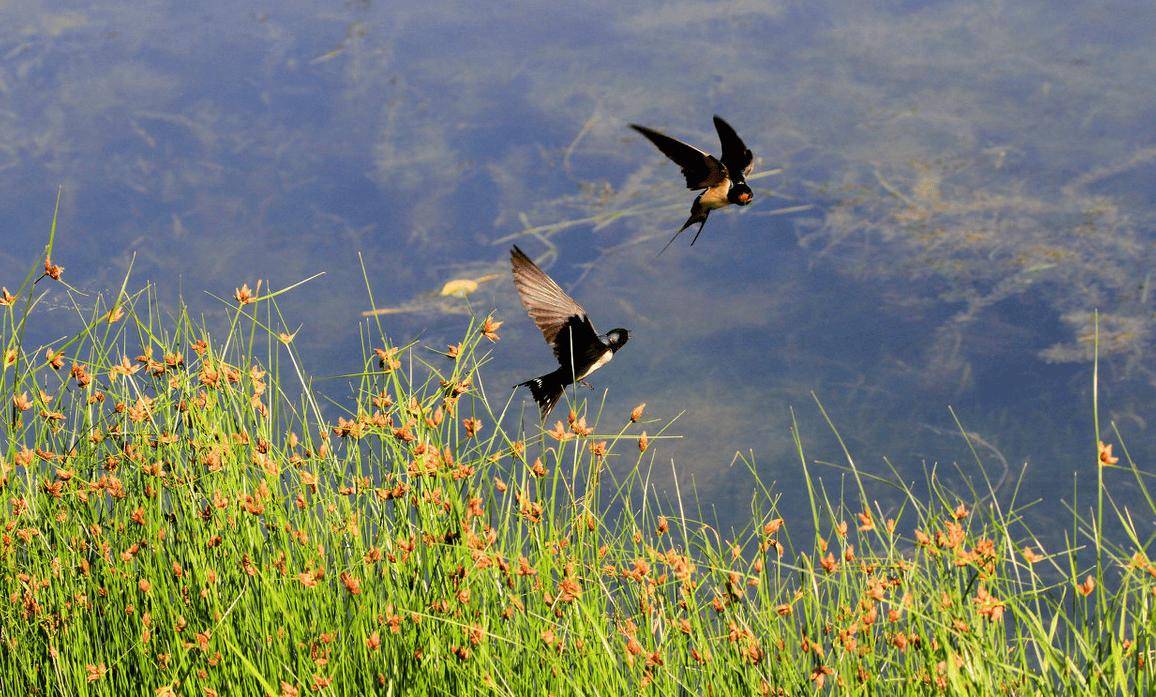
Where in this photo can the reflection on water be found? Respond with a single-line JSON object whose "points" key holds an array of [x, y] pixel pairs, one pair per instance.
{"points": [[948, 192]]}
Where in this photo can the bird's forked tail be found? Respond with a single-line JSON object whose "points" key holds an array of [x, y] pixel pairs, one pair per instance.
{"points": [[547, 390], [698, 215]]}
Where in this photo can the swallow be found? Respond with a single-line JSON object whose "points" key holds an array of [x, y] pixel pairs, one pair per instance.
{"points": [[577, 345], [723, 178]]}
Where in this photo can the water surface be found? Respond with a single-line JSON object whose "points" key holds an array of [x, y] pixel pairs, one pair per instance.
{"points": [[969, 181]]}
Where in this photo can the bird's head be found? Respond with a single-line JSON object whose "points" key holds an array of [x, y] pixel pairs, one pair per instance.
{"points": [[617, 338], [741, 194]]}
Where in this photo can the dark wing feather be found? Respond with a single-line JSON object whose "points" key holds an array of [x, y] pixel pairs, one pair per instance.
{"points": [[702, 170], [735, 154], [562, 321], [577, 346]]}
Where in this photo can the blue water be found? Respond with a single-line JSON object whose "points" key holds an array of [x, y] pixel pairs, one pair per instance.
{"points": [[968, 181]]}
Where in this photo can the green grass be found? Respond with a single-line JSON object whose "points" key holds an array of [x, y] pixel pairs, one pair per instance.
{"points": [[184, 513]]}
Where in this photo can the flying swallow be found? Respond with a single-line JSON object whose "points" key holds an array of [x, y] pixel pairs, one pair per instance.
{"points": [[579, 348], [723, 178]]}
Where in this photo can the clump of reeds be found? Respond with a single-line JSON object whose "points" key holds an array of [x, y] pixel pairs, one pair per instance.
{"points": [[181, 515]]}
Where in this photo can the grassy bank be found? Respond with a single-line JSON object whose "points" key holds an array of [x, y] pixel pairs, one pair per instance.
{"points": [[184, 514]]}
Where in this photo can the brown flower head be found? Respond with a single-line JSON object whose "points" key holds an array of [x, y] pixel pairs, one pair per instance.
{"points": [[1106, 457], [569, 589], [559, 432], [22, 402], [636, 413], [95, 672], [1031, 556], [53, 271], [989, 606], [773, 526], [243, 295], [490, 328], [387, 359], [351, 583]]}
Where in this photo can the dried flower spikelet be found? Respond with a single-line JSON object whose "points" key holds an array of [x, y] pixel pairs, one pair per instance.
{"points": [[490, 328], [989, 605], [560, 433], [351, 583], [636, 412], [773, 526], [472, 426], [54, 358], [243, 295], [1087, 587], [819, 675], [53, 271], [569, 589], [21, 402], [1105, 454], [829, 564], [643, 442]]}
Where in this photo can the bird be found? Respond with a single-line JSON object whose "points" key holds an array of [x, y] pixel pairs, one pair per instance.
{"points": [[723, 178], [577, 345]]}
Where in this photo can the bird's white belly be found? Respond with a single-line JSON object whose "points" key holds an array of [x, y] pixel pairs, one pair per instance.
{"points": [[598, 364], [716, 196]]}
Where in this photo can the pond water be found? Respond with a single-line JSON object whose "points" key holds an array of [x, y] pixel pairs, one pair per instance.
{"points": [[948, 192]]}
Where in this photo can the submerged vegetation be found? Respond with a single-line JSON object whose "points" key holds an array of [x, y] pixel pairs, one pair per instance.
{"points": [[961, 236], [184, 513]]}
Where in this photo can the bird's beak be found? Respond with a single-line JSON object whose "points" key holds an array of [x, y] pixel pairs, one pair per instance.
{"points": [[745, 198]]}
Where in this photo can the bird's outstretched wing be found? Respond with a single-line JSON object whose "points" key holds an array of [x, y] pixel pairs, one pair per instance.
{"points": [[702, 170], [736, 157], [562, 321]]}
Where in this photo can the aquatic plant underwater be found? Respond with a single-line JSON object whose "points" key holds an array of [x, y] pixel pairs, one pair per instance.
{"points": [[185, 513]]}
